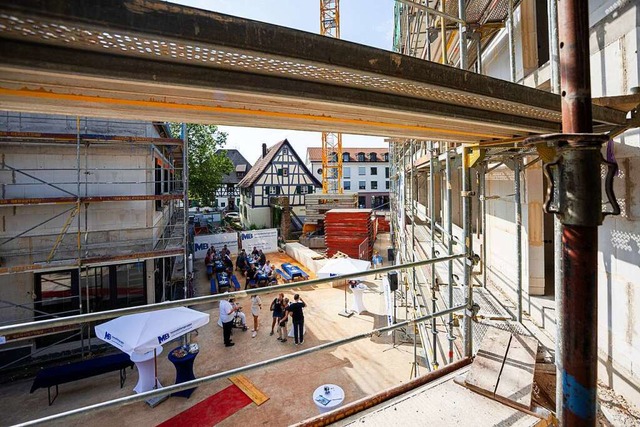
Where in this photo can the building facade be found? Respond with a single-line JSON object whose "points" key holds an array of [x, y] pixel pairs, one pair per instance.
{"points": [[279, 172], [365, 171], [92, 221], [228, 194], [507, 253]]}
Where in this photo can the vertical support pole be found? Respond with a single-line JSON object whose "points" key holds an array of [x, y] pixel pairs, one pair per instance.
{"points": [[426, 53], [483, 213], [468, 247], [479, 54], [518, 221], [512, 43], [185, 203], [462, 34], [443, 36], [432, 165], [449, 233], [78, 232], [578, 331]]}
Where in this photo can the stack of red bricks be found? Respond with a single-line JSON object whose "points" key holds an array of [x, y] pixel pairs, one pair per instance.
{"points": [[346, 229], [383, 224]]}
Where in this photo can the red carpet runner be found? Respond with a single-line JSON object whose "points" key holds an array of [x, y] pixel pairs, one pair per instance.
{"points": [[212, 410]]}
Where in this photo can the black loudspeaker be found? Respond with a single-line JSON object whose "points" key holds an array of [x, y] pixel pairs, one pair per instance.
{"points": [[393, 280], [390, 256]]}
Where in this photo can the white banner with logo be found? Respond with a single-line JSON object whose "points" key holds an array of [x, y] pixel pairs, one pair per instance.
{"points": [[267, 240], [202, 243]]}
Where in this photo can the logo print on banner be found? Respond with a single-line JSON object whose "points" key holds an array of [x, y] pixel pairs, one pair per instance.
{"points": [[246, 236], [107, 336], [163, 338], [201, 246]]}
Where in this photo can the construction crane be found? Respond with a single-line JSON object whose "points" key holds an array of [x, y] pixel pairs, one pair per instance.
{"points": [[331, 141]]}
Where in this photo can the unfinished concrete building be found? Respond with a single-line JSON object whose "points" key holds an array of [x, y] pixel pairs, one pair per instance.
{"points": [[91, 221], [513, 237]]}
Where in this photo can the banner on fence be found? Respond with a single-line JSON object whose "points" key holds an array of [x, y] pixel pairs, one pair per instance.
{"points": [[267, 240], [202, 243]]}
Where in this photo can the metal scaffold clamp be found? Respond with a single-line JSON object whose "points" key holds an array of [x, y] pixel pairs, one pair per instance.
{"points": [[574, 191]]}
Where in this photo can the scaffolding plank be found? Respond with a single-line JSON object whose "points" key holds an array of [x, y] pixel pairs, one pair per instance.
{"points": [[484, 374], [516, 379]]}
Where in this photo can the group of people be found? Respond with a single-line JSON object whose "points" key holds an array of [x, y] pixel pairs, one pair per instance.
{"points": [[255, 265], [283, 310], [223, 255]]}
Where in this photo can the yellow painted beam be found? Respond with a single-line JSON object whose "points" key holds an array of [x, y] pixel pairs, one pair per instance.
{"points": [[249, 389], [92, 100], [547, 154]]}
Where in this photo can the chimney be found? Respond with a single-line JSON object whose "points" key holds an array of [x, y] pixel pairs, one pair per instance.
{"points": [[264, 150]]}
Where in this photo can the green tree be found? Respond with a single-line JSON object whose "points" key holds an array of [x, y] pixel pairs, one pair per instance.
{"points": [[207, 165]]}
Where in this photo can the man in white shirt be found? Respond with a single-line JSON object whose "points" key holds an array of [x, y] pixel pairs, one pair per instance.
{"points": [[227, 313]]}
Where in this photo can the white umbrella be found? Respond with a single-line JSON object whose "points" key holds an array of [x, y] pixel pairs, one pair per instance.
{"points": [[339, 266], [144, 332]]}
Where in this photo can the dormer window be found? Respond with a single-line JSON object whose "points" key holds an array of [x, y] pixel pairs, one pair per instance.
{"points": [[345, 157], [373, 157], [361, 157]]}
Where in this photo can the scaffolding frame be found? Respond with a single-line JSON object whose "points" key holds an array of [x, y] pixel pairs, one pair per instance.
{"points": [[170, 236]]}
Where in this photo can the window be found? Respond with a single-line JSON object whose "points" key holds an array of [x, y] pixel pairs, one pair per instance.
{"points": [[319, 171], [346, 172], [304, 189], [230, 188], [373, 157], [285, 151], [362, 185], [374, 185], [362, 171], [274, 190], [361, 157], [223, 204], [158, 184], [374, 171], [334, 157], [346, 185], [386, 172], [345, 157], [283, 172], [266, 189], [386, 185], [386, 157]]}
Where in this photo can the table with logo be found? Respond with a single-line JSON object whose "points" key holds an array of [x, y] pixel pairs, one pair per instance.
{"points": [[146, 365]]}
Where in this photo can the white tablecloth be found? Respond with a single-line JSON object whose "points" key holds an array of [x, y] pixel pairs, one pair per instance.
{"points": [[358, 303], [335, 397], [146, 370]]}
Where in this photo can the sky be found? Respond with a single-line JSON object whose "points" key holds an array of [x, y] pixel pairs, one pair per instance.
{"points": [[368, 22]]}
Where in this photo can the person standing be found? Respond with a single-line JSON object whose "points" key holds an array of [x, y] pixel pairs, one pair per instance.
{"points": [[297, 317], [377, 262], [256, 306], [282, 323], [277, 309], [227, 313]]}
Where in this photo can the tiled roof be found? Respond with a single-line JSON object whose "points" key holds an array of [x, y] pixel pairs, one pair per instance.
{"points": [[241, 165], [314, 154], [263, 162], [261, 165]]}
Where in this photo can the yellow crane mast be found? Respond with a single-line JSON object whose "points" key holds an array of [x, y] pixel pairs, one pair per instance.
{"points": [[331, 141]]}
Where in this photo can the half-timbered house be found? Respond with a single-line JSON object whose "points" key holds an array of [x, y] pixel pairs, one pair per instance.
{"points": [[228, 193], [278, 172]]}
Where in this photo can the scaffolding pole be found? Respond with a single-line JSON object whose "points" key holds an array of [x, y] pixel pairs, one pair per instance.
{"points": [[449, 219], [518, 221], [468, 250]]}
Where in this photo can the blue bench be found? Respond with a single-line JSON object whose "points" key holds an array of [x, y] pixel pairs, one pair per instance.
{"points": [[49, 377], [285, 276], [235, 282]]}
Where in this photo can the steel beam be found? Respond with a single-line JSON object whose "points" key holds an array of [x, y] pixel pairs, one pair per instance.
{"points": [[163, 61]]}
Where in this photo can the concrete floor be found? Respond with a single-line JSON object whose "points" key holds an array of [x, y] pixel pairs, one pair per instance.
{"points": [[361, 368]]}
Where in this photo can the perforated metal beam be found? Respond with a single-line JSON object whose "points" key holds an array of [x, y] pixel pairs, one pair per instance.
{"points": [[160, 61]]}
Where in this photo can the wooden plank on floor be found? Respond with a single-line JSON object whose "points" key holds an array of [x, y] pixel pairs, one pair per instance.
{"points": [[249, 389], [485, 370], [516, 379]]}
